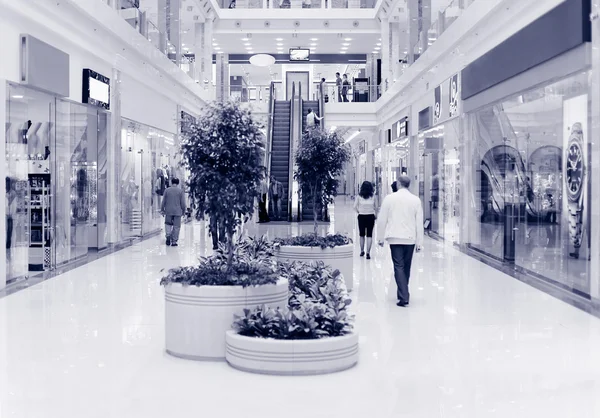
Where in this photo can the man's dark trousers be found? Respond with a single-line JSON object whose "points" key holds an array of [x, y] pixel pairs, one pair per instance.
{"points": [[402, 256]]}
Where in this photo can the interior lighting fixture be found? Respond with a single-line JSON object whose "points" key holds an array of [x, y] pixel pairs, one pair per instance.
{"points": [[262, 60], [279, 39], [377, 48], [347, 39], [245, 39], [342, 52], [313, 44], [215, 44], [280, 44], [17, 96], [378, 43], [346, 44], [344, 48], [216, 48], [248, 44], [314, 39]]}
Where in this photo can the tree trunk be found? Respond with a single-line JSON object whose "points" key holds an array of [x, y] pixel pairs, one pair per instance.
{"points": [[230, 247]]}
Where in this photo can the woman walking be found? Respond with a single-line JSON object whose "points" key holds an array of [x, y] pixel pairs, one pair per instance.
{"points": [[365, 207]]}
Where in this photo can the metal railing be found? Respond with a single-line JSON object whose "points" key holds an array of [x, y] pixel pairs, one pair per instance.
{"points": [[297, 4], [332, 93], [255, 93], [270, 126]]}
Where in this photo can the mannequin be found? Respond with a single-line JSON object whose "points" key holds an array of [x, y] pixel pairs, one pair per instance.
{"points": [[33, 140]]}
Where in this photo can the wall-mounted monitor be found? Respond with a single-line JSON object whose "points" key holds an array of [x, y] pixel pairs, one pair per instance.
{"points": [[299, 54], [96, 89]]}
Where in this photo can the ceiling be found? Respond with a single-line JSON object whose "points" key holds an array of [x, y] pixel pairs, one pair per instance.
{"points": [[330, 43]]}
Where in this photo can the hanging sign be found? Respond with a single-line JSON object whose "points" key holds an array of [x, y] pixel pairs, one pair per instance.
{"points": [[400, 129], [437, 105], [454, 96]]}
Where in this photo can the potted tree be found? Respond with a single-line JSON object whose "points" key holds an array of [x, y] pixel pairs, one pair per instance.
{"points": [[320, 160], [223, 152], [313, 335]]}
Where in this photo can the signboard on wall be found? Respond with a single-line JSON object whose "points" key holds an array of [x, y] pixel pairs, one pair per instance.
{"points": [[454, 96], [400, 129], [362, 147], [425, 118], [437, 105]]}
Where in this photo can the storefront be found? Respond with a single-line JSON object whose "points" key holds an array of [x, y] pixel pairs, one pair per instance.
{"points": [[438, 143], [528, 158]]}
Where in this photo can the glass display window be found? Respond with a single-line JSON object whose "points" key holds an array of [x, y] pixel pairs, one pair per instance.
{"points": [[530, 187]]}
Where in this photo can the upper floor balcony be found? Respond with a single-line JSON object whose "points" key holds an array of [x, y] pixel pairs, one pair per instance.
{"points": [[297, 4]]}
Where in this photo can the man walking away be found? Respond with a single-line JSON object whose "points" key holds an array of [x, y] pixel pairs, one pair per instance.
{"points": [[311, 119], [276, 191], [401, 225], [263, 214], [338, 86], [173, 207]]}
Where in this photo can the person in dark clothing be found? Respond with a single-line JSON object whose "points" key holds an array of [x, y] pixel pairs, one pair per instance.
{"points": [[338, 87], [345, 88], [173, 207], [217, 232], [394, 187]]}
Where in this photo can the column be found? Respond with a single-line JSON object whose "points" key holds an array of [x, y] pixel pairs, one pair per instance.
{"points": [[222, 77], [371, 72], [199, 55], [3, 94], [169, 25], [595, 161], [419, 22], [386, 55], [208, 51], [113, 189], [396, 52]]}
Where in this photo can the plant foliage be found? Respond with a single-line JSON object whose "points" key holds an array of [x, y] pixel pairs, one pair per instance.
{"points": [[318, 305], [223, 150], [320, 159], [311, 240], [252, 264]]}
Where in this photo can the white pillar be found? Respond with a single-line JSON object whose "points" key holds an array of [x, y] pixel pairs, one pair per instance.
{"points": [[113, 235], [208, 50], [386, 55], [395, 53], [222, 77], [200, 56]]}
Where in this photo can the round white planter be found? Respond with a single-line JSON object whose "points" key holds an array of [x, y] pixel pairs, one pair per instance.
{"points": [[197, 317], [291, 357], [341, 258]]}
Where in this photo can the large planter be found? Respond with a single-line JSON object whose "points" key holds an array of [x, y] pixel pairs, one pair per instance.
{"points": [[341, 258], [291, 357], [197, 317]]}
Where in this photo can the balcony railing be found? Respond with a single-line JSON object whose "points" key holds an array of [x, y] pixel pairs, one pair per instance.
{"points": [[297, 4]]}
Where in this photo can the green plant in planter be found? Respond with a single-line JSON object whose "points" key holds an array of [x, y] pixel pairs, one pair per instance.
{"points": [[317, 307], [252, 264], [223, 150], [320, 159], [310, 240]]}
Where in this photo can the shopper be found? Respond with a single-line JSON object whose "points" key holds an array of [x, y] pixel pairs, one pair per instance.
{"points": [[345, 88], [276, 194], [263, 214], [173, 207], [11, 212], [364, 205], [394, 187], [324, 90], [312, 119], [401, 225], [338, 87]]}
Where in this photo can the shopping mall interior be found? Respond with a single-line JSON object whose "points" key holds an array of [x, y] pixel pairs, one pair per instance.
{"points": [[268, 303]]}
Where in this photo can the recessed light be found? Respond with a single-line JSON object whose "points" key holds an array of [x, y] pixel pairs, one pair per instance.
{"points": [[313, 44], [279, 44], [279, 39], [314, 39], [344, 48], [248, 44], [375, 52], [342, 52], [377, 48], [378, 43], [217, 48], [215, 44], [18, 96], [245, 39], [347, 39]]}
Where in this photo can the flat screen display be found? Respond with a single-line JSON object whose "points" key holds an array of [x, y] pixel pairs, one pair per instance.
{"points": [[96, 89], [299, 54]]}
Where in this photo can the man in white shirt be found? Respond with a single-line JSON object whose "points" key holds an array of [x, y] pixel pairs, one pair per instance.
{"points": [[400, 223], [311, 119]]}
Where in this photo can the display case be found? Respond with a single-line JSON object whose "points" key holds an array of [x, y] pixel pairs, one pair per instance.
{"points": [[39, 214]]}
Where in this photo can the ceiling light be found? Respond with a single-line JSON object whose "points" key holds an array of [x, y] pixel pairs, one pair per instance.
{"points": [[248, 44], [314, 39], [245, 39], [313, 44], [279, 44], [215, 44], [351, 137], [342, 52], [346, 44], [347, 39], [279, 39], [377, 48], [378, 43], [262, 60], [216, 48], [17, 96]]}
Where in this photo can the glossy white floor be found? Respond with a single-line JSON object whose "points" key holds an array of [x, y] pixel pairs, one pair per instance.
{"points": [[474, 343]]}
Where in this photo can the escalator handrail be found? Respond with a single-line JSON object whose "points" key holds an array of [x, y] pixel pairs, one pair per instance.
{"points": [[270, 127], [300, 133], [322, 105], [291, 156]]}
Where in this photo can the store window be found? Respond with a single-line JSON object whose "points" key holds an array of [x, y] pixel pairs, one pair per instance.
{"points": [[439, 182], [530, 183]]}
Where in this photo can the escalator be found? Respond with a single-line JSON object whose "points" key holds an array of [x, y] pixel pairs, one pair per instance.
{"points": [[280, 151]]}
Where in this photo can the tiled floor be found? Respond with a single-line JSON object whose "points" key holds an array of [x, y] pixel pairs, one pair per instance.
{"points": [[474, 343]]}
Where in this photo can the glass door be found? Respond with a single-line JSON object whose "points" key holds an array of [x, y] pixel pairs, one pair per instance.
{"points": [[29, 182]]}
